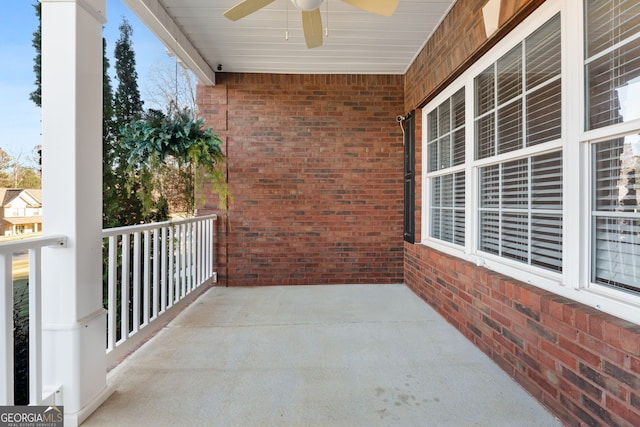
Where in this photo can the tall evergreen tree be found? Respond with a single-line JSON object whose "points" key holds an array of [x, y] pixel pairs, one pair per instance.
{"points": [[109, 135], [121, 202], [36, 95], [109, 130], [121, 182], [128, 103]]}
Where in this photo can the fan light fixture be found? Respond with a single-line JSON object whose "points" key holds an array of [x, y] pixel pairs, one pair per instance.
{"points": [[307, 5], [310, 11]]}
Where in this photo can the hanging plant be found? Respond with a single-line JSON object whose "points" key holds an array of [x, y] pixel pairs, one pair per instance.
{"points": [[166, 150]]}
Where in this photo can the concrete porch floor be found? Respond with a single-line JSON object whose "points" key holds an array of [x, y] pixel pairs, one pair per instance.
{"points": [[354, 355]]}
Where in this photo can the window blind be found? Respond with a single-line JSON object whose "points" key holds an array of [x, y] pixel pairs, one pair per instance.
{"points": [[521, 210], [457, 119], [523, 86], [445, 140], [543, 60], [616, 215], [612, 67], [544, 121], [543, 54], [617, 252], [509, 127], [447, 208], [458, 205], [613, 83], [546, 182], [608, 22], [546, 206], [546, 241]]}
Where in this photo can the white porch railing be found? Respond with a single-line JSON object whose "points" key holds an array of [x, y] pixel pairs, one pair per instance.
{"points": [[37, 393], [152, 269]]}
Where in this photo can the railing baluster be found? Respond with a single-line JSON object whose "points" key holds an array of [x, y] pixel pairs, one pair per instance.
{"points": [[189, 242], [171, 266], [195, 238], [194, 257], [156, 279], [205, 250], [111, 292], [212, 243], [187, 256], [135, 298], [6, 330], [146, 299], [124, 292], [178, 273], [35, 326], [209, 247], [183, 266], [188, 253], [199, 252], [163, 277]]}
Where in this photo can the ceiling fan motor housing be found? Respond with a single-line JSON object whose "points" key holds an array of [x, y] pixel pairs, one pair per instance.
{"points": [[311, 17], [307, 5]]}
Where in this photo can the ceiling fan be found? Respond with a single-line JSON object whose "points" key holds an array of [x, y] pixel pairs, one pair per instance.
{"points": [[311, 19]]}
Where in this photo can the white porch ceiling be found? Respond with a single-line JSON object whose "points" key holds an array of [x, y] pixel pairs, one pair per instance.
{"points": [[358, 43]]}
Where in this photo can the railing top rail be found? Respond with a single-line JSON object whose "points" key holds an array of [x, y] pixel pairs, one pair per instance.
{"points": [[153, 225], [7, 248]]}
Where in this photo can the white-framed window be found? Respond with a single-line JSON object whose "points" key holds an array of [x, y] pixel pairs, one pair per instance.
{"points": [[612, 113], [445, 159], [551, 169], [17, 212], [518, 106]]}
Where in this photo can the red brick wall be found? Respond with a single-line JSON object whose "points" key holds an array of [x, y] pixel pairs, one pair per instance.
{"points": [[581, 363], [456, 43], [315, 169]]}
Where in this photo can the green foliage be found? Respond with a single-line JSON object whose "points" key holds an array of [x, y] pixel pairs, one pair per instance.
{"points": [[175, 145], [21, 344], [179, 135], [109, 129], [128, 103], [27, 177], [36, 95], [121, 183], [15, 174]]}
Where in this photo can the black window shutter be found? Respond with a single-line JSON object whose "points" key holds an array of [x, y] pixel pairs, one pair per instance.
{"points": [[409, 177]]}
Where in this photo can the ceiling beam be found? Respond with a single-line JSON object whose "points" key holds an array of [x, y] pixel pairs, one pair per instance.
{"points": [[153, 14]]}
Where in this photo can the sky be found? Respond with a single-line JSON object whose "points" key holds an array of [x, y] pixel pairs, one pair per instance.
{"points": [[19, 116]]}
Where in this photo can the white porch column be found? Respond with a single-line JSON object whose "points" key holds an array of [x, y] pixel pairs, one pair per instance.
{"points": [[74, 320]]}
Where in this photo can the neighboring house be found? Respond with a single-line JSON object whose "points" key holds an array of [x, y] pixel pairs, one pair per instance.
{"points": [[21, 211]]}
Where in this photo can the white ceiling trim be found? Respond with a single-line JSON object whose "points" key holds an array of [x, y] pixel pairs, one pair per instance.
{"points": [[358, 42], [156, 18]]}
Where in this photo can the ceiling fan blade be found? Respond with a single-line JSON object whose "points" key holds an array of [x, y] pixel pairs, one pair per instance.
{"points": [[312, 27], [246, 7], [380, 7]]}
